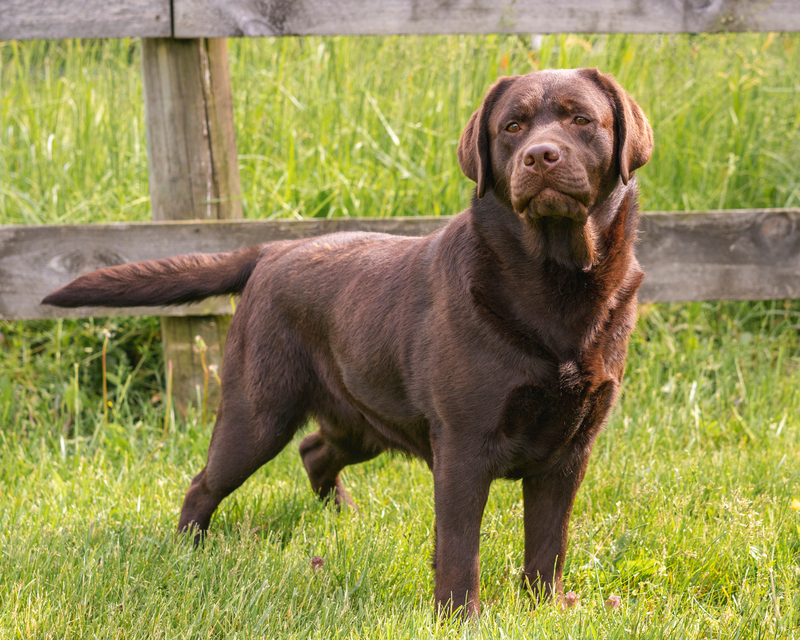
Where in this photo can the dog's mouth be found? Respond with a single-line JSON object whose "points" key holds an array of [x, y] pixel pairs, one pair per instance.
{"points": [[560, 223], [551, 203]]}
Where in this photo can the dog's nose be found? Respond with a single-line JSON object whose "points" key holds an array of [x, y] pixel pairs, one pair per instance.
{"points": [[541, 156]]}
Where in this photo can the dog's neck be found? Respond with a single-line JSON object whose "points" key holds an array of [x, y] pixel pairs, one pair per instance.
{"points": [[559, 298], [564, 244]]}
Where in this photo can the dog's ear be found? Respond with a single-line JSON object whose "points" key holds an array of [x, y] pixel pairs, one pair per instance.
{"points": [[474, 147], [634, 135]]}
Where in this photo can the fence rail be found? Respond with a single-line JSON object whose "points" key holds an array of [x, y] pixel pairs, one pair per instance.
{"points": [[48, 19], [25, 19], [737, 255]]}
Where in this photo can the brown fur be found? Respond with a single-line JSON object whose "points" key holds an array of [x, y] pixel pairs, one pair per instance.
{"points": [[493, 348]]}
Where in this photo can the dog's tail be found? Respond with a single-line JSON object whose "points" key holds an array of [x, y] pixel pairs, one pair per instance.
{"points": [[160, 282]]}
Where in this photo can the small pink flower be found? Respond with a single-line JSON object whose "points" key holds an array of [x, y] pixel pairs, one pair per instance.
{"points": [[317, 563], [613, 602], [567, 600]]}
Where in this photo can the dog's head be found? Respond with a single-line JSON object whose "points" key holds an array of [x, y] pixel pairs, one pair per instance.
{"points": [[553, 144]]}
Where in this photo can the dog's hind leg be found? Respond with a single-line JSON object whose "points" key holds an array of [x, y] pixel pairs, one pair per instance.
{"points": [[324, 456], [240, 444]]}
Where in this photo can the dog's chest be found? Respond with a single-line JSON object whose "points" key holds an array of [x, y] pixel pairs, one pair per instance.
{"points": [[543, 421]]}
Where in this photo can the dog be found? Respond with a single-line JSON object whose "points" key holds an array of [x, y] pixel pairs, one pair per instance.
{"points": [[491, 348]]}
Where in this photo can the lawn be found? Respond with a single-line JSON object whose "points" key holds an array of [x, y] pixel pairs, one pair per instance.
{"points": [[690, 512]]}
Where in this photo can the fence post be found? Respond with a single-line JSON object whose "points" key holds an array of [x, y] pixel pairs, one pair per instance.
{"points": [[194, 174]]}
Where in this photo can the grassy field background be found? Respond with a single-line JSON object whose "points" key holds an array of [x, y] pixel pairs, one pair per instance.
{"points": [[689, 512]]}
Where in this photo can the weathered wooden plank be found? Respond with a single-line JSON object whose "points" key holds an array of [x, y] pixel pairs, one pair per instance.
{"points": [[191, 142], [735, 255], [35, 260], [194, 174], [27, 19], [722, 255], [223, 18]]}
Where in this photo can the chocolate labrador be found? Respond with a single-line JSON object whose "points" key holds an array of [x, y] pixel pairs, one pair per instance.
{"points": [[492, 348]]}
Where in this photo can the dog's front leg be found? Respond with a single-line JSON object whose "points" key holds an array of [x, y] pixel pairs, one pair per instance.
{"points": [[461, 489], [548, 504]]}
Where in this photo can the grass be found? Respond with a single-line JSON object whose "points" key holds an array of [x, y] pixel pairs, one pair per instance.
{"points": [[368, 126], [687, 510]]}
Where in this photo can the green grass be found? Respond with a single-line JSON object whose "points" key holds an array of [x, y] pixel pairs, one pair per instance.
{"points": [[368, 126], [686, 512]]}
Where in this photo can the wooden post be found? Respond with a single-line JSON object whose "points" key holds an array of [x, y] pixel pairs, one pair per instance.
{"points": [[194, 174]]}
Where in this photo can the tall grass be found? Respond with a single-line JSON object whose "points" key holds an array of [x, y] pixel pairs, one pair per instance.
{"points": [[687, 511], [368, 126]]}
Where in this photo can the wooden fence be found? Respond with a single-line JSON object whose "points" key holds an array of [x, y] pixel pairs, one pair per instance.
{"points": [[25, 19], [192, 153]]}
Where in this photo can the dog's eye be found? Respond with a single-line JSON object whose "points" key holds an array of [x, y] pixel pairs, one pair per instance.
{"points": [[580, 120], [513, 127]]}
